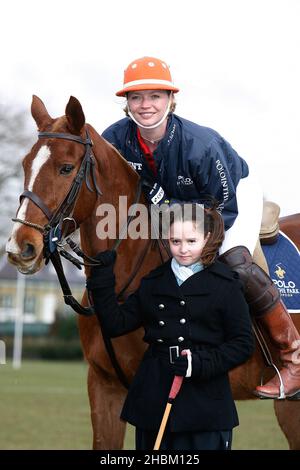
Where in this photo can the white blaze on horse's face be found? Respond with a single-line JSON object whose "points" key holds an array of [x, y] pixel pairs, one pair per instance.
{"points": [[40, 159]]}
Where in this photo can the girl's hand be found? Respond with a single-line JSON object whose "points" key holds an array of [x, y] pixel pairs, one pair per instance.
{"points": [[102, 275], [183, 364], [106, 258]]}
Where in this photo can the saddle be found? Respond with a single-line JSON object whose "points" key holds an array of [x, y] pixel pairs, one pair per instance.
{"points": [[269, 228]]}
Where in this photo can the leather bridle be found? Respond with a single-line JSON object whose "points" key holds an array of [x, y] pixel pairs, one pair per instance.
{"points": [[87, 169], [53, 230]]}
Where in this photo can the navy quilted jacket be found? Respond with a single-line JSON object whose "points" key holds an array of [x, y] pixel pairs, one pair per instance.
{"points": [[192, 162]]}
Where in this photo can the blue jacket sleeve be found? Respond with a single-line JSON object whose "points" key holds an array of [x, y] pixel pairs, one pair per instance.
{"points": [[238, 345], [220, 175]]}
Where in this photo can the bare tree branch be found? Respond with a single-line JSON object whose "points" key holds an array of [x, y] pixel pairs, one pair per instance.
{"points": [[15, 139]]}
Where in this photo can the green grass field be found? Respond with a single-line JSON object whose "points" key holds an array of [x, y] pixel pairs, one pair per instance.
{"points": [[44, 405]]}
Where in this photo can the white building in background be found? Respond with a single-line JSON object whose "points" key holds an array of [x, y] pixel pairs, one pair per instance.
{"points": [[43, 296]]}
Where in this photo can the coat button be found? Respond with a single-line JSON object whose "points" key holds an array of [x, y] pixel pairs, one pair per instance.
{"points": [[182, 303], [180, 339], [161, 306], [161, 323], [159, 340], [182, 321]]}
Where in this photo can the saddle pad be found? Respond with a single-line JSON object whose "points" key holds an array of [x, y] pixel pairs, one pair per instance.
{"points": [[283, 258]]}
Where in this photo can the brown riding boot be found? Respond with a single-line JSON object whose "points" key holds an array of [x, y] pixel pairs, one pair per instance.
{"points": [[285, 337], [265, 305]]}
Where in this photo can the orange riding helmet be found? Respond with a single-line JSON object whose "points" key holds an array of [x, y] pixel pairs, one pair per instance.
{"points": [[147, 73]]}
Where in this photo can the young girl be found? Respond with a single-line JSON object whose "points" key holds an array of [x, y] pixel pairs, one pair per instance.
{"points": [[192, 302]]}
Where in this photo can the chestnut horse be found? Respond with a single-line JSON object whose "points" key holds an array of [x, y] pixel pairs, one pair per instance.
{"points": [[50, 167]]}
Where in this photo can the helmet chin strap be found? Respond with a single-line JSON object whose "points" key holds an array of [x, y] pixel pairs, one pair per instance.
{"points": [[154, 125]]}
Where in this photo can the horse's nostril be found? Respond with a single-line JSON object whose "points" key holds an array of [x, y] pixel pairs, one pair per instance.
{"points": [[28, 252], [13, 258]]}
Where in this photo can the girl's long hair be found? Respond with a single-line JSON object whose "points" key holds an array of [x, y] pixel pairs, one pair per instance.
{"points": [[213, 224]]}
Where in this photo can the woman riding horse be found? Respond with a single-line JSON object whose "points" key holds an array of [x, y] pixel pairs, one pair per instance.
{"points": [[179, 159]]}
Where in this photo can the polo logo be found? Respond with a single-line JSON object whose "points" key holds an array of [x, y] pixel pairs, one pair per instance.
{"points": [[181, 180], [280, 272]]}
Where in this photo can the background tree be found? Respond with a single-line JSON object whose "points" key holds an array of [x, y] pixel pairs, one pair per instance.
{"points": [[15, 139]]}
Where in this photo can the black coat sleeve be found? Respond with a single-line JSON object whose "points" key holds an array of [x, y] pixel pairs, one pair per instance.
{"points": [[116, 320], [239, 339]]}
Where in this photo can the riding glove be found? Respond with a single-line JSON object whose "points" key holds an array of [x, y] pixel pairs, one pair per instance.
{"points": [[102, 274]]}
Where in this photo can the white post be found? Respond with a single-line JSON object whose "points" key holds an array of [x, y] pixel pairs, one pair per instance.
{"points": [[17, 351]]}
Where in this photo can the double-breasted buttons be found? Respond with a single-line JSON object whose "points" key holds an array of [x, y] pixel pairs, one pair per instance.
{"points": [[161, 323], [180, 339], [182, 321], [161, 306], [182, 303], [159, 340]]}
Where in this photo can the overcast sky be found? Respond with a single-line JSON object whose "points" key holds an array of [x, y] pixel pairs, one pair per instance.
{"points": [[236, 63]]}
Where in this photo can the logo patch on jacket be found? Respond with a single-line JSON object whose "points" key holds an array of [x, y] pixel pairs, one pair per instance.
{"points": [[181, 180]]}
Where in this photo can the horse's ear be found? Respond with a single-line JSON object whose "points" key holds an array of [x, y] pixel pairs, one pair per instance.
{"points": [[75, 115], [40, 113]]}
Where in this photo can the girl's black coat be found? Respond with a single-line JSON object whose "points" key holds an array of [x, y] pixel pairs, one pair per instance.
{"points": [[217, 324]]}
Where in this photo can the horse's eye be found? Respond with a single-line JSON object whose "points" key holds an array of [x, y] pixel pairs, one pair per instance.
{"points": [[66, 169]]}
